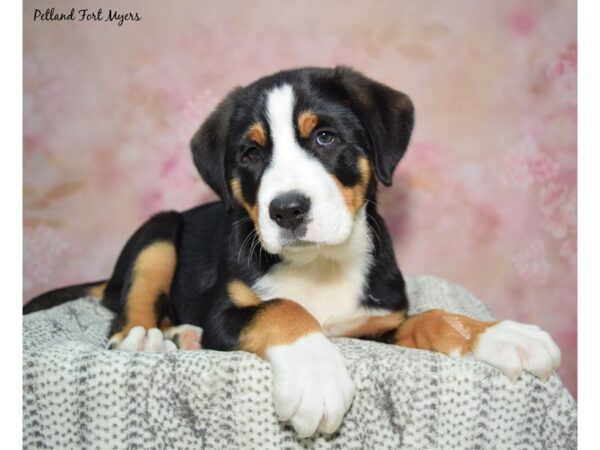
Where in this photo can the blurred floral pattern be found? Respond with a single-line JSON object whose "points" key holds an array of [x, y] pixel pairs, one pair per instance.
{"points": [[486, 195]]}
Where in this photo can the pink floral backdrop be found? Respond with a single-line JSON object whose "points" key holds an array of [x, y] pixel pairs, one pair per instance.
{"points": [[486, 195]]}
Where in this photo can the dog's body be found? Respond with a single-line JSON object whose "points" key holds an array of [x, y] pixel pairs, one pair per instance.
{"points": [[296, 251]]}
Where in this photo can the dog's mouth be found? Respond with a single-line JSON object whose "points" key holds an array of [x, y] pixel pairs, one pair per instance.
{"points": [[298, 243], [291, 239]]}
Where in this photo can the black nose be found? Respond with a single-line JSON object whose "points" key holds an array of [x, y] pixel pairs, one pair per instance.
{"points": [[289, 210]]}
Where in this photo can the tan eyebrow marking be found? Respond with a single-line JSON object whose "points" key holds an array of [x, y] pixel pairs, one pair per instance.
{"points": [[307, 121], [257, 133]]}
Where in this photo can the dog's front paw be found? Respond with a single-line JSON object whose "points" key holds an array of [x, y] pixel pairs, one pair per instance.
{"points": [[186, 337], [140, 340], [513, 347], [311, 385]]}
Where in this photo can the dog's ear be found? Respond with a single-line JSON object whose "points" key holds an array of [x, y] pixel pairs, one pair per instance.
{"points": [[386, 114], [209, 146]]}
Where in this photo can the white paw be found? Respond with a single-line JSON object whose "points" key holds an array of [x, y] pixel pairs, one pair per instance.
{"points": [[138, 340], [513, 347], [311, 385], [186, 337]]}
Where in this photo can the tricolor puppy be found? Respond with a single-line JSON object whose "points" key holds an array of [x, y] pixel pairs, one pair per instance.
{"points": [[295, 252]]}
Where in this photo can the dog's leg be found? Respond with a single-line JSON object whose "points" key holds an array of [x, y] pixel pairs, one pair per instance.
{"points": [[510, 346], [151, 278], [311, 385], [139, 287]]}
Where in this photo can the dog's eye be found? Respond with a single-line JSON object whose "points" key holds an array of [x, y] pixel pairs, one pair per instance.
{"points": [[250, 155], [325, 138]]}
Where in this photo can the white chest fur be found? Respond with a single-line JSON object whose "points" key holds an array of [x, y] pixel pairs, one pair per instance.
{"points": [[328, 282]]}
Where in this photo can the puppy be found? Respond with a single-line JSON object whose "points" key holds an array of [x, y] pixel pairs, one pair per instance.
{"points": [[295, 252]]}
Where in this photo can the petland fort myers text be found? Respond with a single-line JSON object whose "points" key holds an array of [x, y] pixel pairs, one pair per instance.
{"points": [[86, 15]]}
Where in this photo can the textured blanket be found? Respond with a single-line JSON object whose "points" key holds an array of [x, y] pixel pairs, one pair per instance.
{"points": [[76, 394]]}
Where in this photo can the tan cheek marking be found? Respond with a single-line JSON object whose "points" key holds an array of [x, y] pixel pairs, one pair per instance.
{"points": [[354, 196], [152, 276], [257, 133], [377, 325], [97, 291], [307, 121], [236, 188], [241, 295], [440, 331], [278, 322]]}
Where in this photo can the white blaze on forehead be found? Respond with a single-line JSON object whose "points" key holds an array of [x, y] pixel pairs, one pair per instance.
{"points": [[280, 111], [292, 168]]}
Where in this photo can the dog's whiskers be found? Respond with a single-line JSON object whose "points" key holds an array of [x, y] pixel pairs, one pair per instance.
{"points": [[244, 243], [375, 233], [255, 242], [366, 234], [241, 221]]}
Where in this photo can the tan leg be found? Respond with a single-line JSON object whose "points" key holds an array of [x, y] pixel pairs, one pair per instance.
{"points": [[151, 279], [509, 346]]}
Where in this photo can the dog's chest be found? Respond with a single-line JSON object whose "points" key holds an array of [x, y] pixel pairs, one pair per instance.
{"points": [[331, 291]]}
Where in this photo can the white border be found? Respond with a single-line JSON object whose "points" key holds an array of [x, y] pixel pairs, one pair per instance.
{"points": [[588, 220], [11, 199]]}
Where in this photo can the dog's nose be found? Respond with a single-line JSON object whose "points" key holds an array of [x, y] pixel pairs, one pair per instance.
{"points": [[289, 210]]}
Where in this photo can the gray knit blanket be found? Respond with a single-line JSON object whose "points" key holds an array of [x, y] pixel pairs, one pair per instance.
{"points": [[76, 394]]}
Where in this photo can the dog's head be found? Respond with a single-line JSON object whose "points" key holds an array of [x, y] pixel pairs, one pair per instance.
{"points": [[300, 151]]}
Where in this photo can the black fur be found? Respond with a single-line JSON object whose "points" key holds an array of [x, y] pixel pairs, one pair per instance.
{"points": [[214, 242], [58, 297]]}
